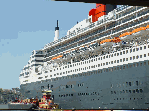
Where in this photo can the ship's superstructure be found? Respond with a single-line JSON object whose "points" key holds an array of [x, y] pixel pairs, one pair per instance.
{"points": [[102, 63]]}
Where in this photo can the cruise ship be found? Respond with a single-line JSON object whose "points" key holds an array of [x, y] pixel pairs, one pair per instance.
{"points": [[102, 62]]}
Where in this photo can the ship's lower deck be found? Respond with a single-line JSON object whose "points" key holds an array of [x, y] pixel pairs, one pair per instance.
{"points": [[123, 87]]}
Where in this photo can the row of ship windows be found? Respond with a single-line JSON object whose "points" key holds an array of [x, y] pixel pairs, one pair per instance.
{"points": [[114, 99], [93, 93], [65, 95], [110, 69], [127, 91], [112, 92], [128, 84], [108, 56], [128, 98], [120, 99], [101, 71]]}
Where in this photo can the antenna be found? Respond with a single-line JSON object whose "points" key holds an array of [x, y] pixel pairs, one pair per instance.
{"points": [[57, 23]]}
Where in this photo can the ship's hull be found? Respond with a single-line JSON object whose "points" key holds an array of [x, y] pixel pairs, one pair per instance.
{"points": [[127, 88], [19, 106]]}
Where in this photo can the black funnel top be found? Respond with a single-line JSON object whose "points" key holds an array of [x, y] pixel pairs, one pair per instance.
{"points": [[57, 28]]}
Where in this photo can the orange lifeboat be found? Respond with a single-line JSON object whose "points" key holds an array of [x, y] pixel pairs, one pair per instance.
{"points": [[56, 57]]}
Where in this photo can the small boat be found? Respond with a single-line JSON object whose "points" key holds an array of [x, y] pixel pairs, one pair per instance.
{"points": [[21, 105]]}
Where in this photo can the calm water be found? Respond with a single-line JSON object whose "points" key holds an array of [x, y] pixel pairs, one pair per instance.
{"points": [[3, 106]]}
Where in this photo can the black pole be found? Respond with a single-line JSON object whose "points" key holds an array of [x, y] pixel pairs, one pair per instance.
{"points": [[57, 23]]}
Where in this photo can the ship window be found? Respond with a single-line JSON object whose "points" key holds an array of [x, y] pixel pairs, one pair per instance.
{"points": [[133, 65], [101, 58], [117, 54], [117, 61], [114, 69], [133, 57], [137, 83], [129, 83], [111, 62], [98, 65], [111, 92], [144, 47], [126, 91], [137, 49], [129, 91], [130, 50], [133, 91], [140, 48], [120, 53], [98, 58], [123, 52], [144, 63], [126, 59], [126, 51], [106, 63], [137, 65], [133, 50], [124, 67], [112, 55], [137, 90], [141, 90], [123, 59], [140, 64], [130, 58], [109, 56], [117, 68], [144, 55], [104, 57], [120, 60]]}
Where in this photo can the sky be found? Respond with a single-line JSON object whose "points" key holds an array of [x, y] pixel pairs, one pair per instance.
{"points": [[27, 25]]}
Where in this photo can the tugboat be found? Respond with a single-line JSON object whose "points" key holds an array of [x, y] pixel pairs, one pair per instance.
{"points": [[47, 101]]}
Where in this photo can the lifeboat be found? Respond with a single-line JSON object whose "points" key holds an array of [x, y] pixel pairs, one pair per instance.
{"points": [[106, 43], [57, 57]]}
